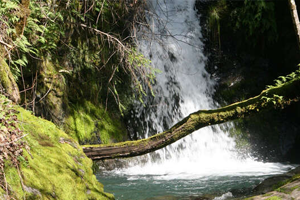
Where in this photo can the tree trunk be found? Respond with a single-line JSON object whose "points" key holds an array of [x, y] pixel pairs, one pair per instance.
{"points": [[295, 17], [277, 96]]}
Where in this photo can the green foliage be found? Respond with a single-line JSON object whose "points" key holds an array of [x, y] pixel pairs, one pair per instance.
{"points": [[215, 13], [284, 190], [283, 79], [85, 38], [137, 60], [274, 99], [256, 21], [8, 14], [277, 99]]}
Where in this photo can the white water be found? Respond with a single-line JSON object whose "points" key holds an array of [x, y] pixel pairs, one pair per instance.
{"points": [[184, 87]]}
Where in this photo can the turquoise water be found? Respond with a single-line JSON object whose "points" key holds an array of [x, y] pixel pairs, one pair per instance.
{"points": [[142, 187]]}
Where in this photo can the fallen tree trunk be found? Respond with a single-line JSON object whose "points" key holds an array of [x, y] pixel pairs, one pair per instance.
{"points": [[276, 96]]}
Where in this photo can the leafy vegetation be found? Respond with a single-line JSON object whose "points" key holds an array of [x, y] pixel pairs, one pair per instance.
{"points": [[215, 15], [283, 79], [253, 22], [277, 99], [66, 55], [88, 41], [256, 20]]}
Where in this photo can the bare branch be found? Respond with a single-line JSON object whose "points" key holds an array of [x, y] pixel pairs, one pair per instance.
{"points": [[110, 37], [8, 45]]}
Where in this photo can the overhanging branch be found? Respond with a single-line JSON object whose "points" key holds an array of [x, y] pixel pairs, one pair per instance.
{"points": [[277, 96]]}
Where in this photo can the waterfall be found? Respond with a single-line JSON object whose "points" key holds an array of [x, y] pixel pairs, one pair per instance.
{"points": [[183, 87]]}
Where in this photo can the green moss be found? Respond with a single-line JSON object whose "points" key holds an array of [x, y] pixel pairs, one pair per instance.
{"points": [[279, 184], [8, 82], [88, 123], [52, 84], [3, 74], [274, 198], [58, 168], [268, 194], [284, 190], [294, 188]]}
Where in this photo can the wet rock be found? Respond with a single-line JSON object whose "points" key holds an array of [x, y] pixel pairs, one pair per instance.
{"points": [[274, 182], [290, 191], [268, 184]]}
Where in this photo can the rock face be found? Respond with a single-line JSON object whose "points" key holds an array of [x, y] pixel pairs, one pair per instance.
{"points": [[52, 94], [268, 184]]}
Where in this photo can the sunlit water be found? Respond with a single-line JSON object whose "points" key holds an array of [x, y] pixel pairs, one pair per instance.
{"points": [[182, 186], [204, 162]]}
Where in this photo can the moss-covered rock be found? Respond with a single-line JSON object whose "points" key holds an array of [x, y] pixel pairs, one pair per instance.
{"points": [[83, 119], [285, 186], [91, 124], [56, 167], [51, 93], [8, 82]]}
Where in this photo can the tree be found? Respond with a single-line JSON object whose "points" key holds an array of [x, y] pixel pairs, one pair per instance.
{"points": [[282, 94], [295, 19]]}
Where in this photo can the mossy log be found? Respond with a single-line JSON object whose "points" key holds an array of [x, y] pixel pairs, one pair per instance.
{"points": [[277, 96]]}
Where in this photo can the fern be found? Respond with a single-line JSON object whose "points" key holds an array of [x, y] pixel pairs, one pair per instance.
{"points": [[256, 19], [283, 79]]}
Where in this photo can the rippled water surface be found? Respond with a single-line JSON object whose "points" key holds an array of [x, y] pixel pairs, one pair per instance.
{"points": [[135, 186]]}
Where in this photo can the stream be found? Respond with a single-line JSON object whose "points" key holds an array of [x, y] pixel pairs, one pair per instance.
{"points": [[205, 163], [184, 186]]}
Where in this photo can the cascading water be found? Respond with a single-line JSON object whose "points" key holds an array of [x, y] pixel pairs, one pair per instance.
{"points": [[183, 87]]}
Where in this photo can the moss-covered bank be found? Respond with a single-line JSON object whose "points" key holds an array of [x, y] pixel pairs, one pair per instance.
{"points": [[91, 124], [85, 120], [57, 167]]}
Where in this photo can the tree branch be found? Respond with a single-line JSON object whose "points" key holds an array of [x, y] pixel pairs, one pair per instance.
{"points": [[277, 96], [8, 45]]}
